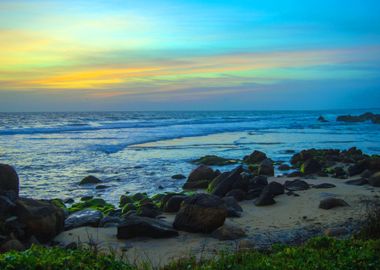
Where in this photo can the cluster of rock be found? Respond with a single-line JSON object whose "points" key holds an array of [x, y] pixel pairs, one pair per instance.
{"points": [[25, 221], [368, 116]]}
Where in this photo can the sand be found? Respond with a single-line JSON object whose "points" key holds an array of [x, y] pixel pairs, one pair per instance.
{"points": [[288, 213]]}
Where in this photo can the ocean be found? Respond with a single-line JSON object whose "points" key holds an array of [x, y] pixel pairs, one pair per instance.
{"points": [[140, 151]]}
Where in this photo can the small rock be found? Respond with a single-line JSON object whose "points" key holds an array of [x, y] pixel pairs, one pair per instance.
{"points": [[266, 167], [374, 180], [357, 182], [8, 179], [83, 218], [228, 232], [334, 232], [330, 203], [255, 157], [174, 203], [12, 245], [178, 176], [246, 245], [310, 166], [296, 185], [238, 194], [89, 180], [266, 198], [324, 185]]}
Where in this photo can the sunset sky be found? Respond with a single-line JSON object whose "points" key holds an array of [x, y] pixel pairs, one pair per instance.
{"points": [[188, 55]]}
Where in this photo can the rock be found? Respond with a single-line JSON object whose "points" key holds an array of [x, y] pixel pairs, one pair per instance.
{"points": [[310, 166], [334, 232], [201, 213], [265, 198], [178, 176], [110, 221], [89, 180], [8, 179], [275, 188], [330, 203], [322, 119], [238, 194], [224, 182], [366, 174], [254, 193], [101, 187], [69, 201], [374, 180], [368, 116], [324, 185], [212, 160], [6, 206], [266, 167], [258, 182], [12, 245], [173, 204], [357, 182], [228, 232], [135, 226], [339, 172], [296, 185], [294, 174], [83, 218], [128, 207], [255, 157], [40, 218], [232, 206], [246, 245], [358, 168], [284, 167], [200, 177], [148, 209]]}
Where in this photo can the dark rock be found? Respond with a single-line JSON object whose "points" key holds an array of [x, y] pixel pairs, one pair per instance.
{"points": [[228, 232], [135, 226], [330, 203], [201, 213], [265, 198], [357, 182], [224, 183], [294, 174], [12, 245], [178, 176], [41, 218], [358, 168], [284, 167], [296, 185], [8, 179], [238, 194], [368, 116], [148, 209], [374, 180], [255, 157], [324, 185], [89, 180], [83, 218], [310, 166], [233, 207], [254, 193], [174, 203], [6, 206], [101, 187], [366, 174], [69, 200], [212, 160], [258, 182], [275, 188], [200, 177], [339, 172], [334, 232], [110, 221], [266, 167], [322, 119]]}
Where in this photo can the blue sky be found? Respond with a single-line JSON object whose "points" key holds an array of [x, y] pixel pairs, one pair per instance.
{"points": [[159, 55]]}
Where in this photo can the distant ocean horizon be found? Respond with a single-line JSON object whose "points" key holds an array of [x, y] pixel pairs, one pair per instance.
{"points": [[140, 151]]}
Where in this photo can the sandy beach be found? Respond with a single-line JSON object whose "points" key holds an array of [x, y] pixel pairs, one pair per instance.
{"points": [[262, 225]]}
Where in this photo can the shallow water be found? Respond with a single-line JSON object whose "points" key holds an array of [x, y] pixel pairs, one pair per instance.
{"points": [[140, 151]]}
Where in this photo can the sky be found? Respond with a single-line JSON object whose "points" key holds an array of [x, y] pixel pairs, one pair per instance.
{"points": [[74, 55]]}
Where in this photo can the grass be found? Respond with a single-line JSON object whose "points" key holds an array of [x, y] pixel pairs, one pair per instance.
{"points": [[318, 253]]}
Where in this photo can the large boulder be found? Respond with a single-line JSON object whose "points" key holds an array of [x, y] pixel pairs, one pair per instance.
{"points": [[330, 203], [200, 177], [310, 166], [135, 226], [42, 219], [374, 180], [255, 157], [275, 188], [83, 218], [266, 167], [8, 179], [221, 185], [265, 198], [201, 213]]}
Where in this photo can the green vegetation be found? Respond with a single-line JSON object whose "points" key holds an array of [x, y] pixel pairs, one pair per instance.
{"points": [[41, 258], [212, 160], [96, 204], [318, 253]]}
